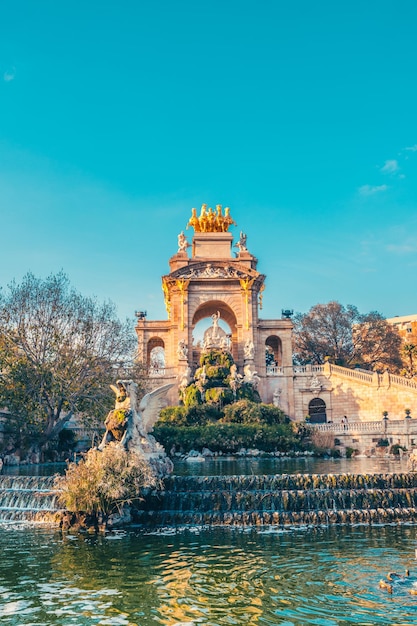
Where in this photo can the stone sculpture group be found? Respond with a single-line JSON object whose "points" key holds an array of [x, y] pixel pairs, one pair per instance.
{"points": [[130, 424]]}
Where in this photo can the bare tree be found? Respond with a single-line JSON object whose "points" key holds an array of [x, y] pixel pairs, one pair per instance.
{"points": [[59, 351], [345, 337]]}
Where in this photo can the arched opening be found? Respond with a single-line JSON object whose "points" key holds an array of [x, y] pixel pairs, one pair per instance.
{"points": [[156, 357], [225, 320], [200, 330], [273, 352], [317, 411]]}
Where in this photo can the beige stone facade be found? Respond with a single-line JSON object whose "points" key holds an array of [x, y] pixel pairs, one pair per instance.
{"points": [[406, 326], [213, 280]]}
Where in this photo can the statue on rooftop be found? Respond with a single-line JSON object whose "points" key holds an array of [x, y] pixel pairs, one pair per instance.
{"points": [[241, 244], [194, 221], [182, 242], [211, 221], [227, 219]]}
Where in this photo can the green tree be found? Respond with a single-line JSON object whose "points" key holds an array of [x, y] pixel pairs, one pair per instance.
{"points": [[409, 352], [346, 337], [59, 351]]}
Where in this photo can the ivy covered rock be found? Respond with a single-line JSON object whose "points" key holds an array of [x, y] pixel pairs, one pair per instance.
{"points": [[216, 382]]}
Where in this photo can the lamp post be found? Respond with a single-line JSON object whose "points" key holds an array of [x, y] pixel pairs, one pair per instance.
{"points": [[407, 426], [385, 419]]}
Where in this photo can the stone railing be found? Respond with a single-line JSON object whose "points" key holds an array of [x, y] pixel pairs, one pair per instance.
{"points": [[362, 375], [365, 376], [156, 372], [358, 427], [403, 382], [162, 372], [406, 425]]}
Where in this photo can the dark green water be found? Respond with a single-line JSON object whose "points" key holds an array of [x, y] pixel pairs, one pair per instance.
{"points": [[232, 466], [235, 466], [214, 577]]}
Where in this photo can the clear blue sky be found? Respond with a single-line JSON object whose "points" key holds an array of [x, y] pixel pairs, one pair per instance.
{"points": [[116, 118]]}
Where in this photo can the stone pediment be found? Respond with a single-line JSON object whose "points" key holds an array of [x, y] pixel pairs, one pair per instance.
{"points": [[224, 270]]}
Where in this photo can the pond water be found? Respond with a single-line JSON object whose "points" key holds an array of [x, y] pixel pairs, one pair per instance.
{"points": [[235, 466], [232, 466], [214, 577]]}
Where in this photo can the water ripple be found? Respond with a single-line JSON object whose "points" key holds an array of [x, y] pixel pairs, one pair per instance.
{"points": [[222, 577]]}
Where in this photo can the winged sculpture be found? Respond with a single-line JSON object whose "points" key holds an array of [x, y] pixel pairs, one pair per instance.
{"points": [[131, 425]]}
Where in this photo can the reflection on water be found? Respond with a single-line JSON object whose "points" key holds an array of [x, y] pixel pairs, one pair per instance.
{"points": [[231, 466], [44, 469], [218, 577]]}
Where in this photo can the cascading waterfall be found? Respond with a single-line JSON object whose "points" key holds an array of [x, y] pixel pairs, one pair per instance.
{"points": [[28, 498], [279, 500], [282, 500]]}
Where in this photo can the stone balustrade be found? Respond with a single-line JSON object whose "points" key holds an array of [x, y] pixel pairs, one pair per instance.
{"points": [[389, 428], [404, 382], [337, 428], [371, 378], [156, 372]]}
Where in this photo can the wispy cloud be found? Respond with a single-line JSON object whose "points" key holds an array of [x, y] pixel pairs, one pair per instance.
{"points": [[406, 247], [9, 75], [390, 167], [370, 190], [412, 148]]}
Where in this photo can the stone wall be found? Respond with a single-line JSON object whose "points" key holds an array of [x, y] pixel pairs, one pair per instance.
{"points": [[359, 395]]}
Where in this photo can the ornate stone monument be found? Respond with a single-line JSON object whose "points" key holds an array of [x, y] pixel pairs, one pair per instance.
{"points": [[209, 281]]}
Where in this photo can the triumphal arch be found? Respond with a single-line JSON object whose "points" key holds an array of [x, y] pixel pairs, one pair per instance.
{"points": [[216, 279]]}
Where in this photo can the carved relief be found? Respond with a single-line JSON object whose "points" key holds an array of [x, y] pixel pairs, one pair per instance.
{"points": [[315, 385], [209, 270]]}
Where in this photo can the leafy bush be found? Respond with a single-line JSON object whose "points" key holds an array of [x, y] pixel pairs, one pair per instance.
{"points": [[103, 482], [218, 395], [192, 396], [248, 392], [350, 452], [248, 412], [173, 415], [395, 449], [217, 357], [228, 438], [217, 372], [189, 416]]}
